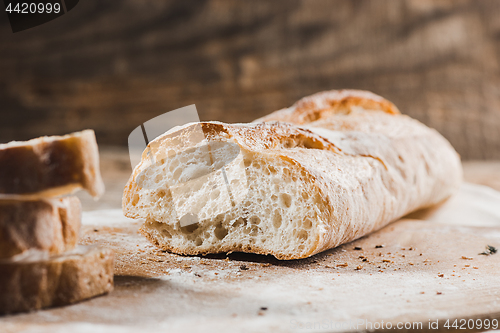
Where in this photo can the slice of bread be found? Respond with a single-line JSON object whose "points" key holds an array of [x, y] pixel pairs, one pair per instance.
{"points": [[50, 166], [50, 225], [33, 282], [347, 164]]}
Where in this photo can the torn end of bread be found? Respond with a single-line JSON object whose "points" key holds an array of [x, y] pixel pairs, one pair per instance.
{"points": [[32, 283], [50, 225], [50, 166], [289, 191], [254, 211]]}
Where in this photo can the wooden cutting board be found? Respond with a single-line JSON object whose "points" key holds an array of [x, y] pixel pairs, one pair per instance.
{"points": [[419, 275]]}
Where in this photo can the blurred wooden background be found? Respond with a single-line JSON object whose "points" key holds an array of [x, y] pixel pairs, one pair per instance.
{"points": [[111, 65]]}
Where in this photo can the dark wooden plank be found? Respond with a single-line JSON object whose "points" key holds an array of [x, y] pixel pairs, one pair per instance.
{"points": [[111, 65]]}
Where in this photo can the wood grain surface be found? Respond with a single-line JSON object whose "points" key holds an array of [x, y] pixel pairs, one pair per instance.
{"points": [[111, 65], [410, 272]]}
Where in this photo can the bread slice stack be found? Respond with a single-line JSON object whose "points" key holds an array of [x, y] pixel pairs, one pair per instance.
{"points": [[40, 262]]}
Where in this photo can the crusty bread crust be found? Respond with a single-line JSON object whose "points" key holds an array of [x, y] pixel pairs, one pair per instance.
{"points": [[330, 103], [359, 161], [50, 166], [31, 283], [50, 225]]}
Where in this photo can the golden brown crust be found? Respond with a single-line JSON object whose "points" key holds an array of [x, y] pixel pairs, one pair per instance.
{"points": [[71, 217], [50, 166], [328, 103], [46, 225], [27, 285]]}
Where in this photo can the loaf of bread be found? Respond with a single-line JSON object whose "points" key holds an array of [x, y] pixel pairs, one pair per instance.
{"points": [[50, 166], [330, 169], [50, 225], [34, 281]]}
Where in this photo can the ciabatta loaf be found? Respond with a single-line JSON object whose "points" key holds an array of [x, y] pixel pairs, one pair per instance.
{"points": [[338, 166], [50, 225], [50, 166], [33, 282]]}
